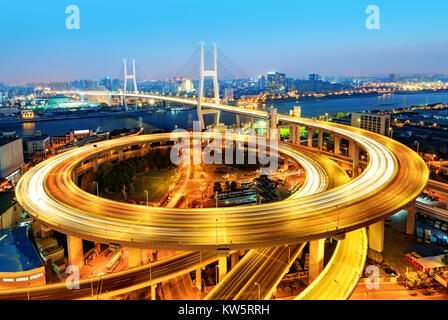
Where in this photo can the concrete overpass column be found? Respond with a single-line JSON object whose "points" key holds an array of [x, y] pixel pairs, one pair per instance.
{"points": [[234, 258], [310, 137], [199, 279], [153, 292], [134, 257], [337, 144], [376, 241], [286, 161], [75, 175], [292, 134], [238, 121], [320, 139], [95, 164], [120, 155], [355, 156], [410, 219], [316, 258], [252, 122], [75, 253], [351, 149], [222, 265]]}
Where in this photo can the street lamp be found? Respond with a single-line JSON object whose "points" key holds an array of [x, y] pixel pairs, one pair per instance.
{"points": [[339, 291], [216, 272], [97, 190], [216, 231], [146, 192], [259, 294]]}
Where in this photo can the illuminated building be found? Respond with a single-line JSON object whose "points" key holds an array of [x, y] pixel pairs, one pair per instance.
{"points": [[26, 114], [11, 156], [378, 123], [58, 141], [24, 269], [37, 144], [229, 94]]}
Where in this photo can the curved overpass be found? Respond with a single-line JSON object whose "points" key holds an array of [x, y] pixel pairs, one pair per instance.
{"points": [[394, 176]]}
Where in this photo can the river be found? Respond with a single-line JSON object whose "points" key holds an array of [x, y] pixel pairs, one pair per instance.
{"points": [[184, 119]]}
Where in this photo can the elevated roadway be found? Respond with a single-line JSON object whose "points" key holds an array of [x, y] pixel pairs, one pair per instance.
{"points": [[394, 176]]}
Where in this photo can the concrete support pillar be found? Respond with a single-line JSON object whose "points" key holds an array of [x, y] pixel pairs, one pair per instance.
{"points": [[337, 144], [292, 134], [252, 122], [234, 258], [238, 121], [120, 155], [316, 258], [410, 219], [153, 291], [134, 257], [376, 241], [199, 279], [351, 149], [355, 157], [43, 233], [320, 140], [310, 137], [222, 261], [75, 253], [286, 161], [95, 164], [75, 175]]}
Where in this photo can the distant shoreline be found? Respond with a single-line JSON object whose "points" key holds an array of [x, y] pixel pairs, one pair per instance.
{"points": [[143, 111], [357, 95], [82, 116]]}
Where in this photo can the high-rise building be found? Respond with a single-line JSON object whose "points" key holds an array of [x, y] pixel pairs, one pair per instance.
{"points": [[378, 123], [315, 77], [186, 86], [273, 82], [11, 155], [229, 94], [296, 112]]}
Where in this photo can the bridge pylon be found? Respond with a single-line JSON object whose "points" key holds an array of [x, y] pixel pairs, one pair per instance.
{"points": [[214, 75], [130, 77]]}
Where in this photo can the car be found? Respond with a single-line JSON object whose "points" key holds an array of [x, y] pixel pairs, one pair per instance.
{"points": [[437, 225], [391, 272]]}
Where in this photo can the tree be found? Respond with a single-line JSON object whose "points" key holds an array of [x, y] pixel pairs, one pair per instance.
{"points": [[217, 188]]}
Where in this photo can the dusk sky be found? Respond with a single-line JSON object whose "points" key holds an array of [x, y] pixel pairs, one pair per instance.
{"points": [[297, 37]]}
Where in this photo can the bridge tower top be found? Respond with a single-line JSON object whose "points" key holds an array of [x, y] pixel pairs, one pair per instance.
{"points": [[130, 77], [207, 73]]}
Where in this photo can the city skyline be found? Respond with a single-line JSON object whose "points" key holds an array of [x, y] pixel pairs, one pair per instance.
{"points": [[323, 38]]}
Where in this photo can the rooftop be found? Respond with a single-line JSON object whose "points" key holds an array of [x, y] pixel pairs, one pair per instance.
{"points": [[17, 253], [6, 140], [6, 201]]}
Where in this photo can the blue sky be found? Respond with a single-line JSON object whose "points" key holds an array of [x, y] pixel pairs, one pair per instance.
{"points": [[292, 36]]}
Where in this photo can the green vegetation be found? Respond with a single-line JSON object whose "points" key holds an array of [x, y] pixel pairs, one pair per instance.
{"points": [[415, 280], [112, 177], [156, 182]]}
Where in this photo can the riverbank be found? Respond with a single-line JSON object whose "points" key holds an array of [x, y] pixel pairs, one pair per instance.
{"points": [[81, 115]]}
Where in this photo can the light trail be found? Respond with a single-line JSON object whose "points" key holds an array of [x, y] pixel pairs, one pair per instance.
{"points": [[394, 176]]}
